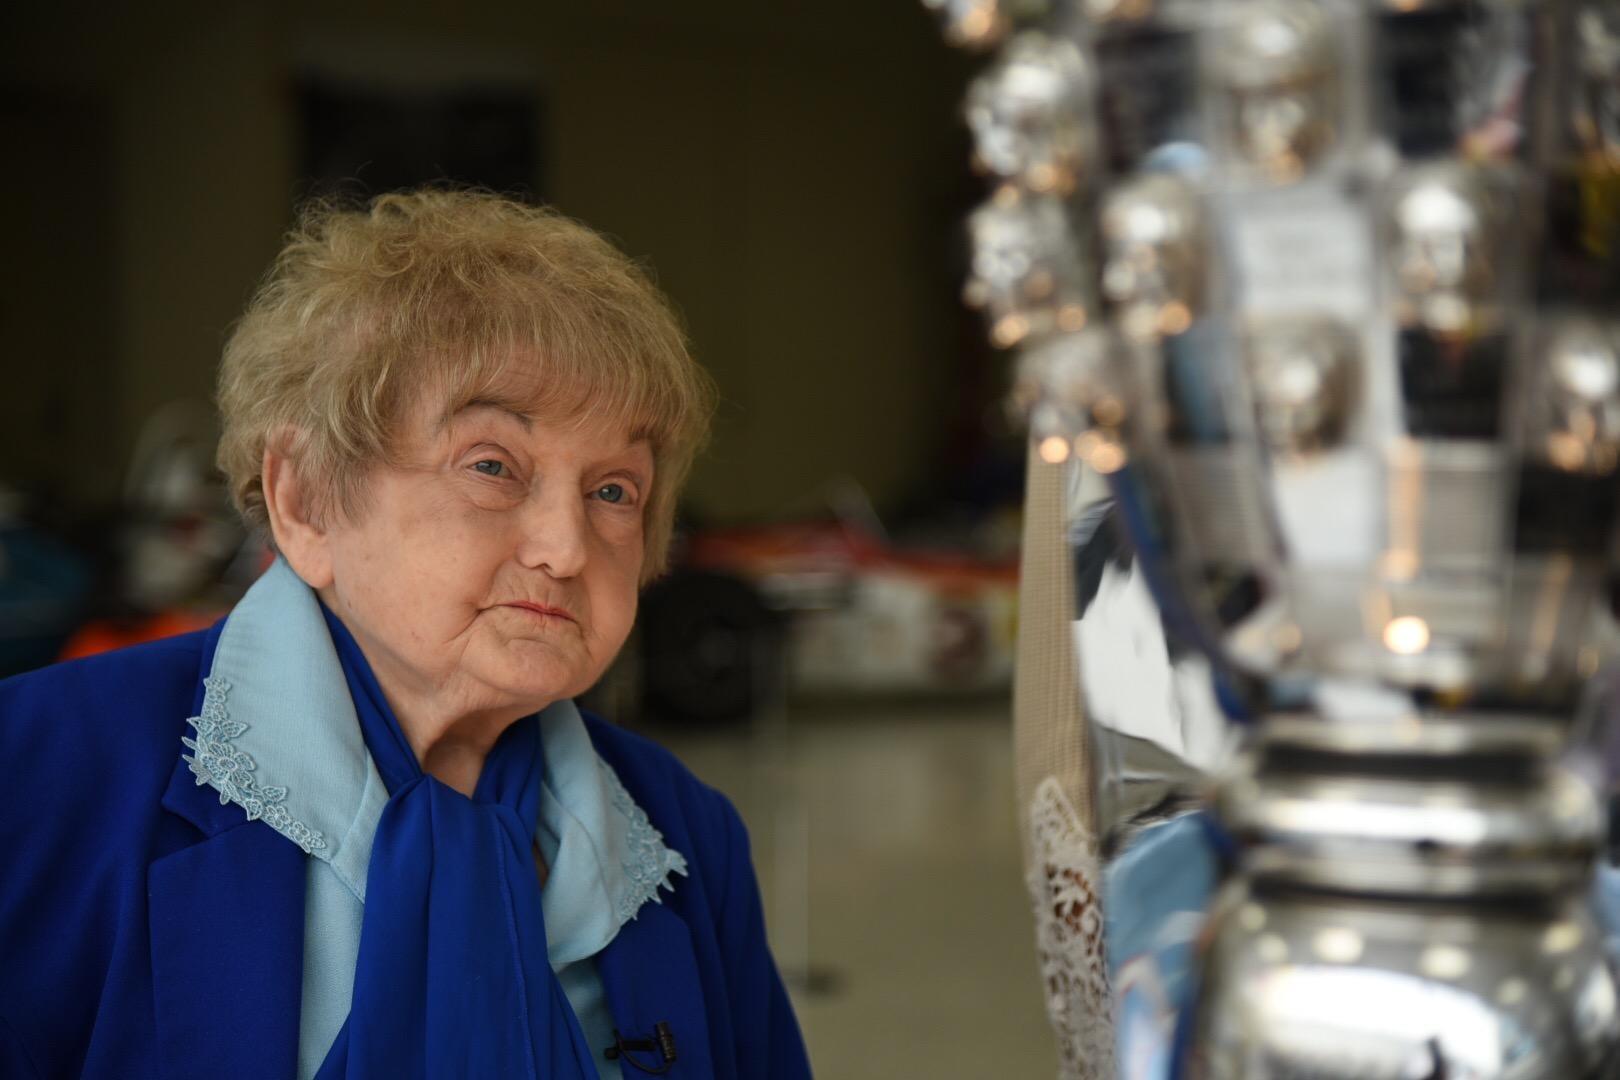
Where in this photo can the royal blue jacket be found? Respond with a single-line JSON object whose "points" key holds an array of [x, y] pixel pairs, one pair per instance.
{"points": [[148, 931]]}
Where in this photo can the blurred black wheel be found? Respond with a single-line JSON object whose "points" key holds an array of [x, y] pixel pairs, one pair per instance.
{"points": [[710, 649]]}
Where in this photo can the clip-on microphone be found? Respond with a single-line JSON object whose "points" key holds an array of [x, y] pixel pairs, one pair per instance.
{"points": [[663, 1041]]}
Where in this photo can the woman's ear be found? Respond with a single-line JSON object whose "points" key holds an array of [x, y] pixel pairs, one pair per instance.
{"points": [[300, 536]]}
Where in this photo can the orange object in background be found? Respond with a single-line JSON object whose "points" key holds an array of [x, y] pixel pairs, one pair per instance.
{"points": [[104, 635]]}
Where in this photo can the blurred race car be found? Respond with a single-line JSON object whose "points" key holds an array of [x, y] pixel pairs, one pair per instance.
{"points": [[831, 608]]}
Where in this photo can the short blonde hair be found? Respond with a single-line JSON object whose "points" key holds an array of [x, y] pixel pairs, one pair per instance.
{"points": [[452, 293]]}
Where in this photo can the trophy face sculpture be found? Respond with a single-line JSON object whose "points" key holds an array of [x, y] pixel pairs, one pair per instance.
{"points": [[1316, 302]]}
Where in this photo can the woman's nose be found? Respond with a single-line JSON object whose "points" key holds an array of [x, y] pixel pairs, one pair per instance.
{"points": [[555, 535]]}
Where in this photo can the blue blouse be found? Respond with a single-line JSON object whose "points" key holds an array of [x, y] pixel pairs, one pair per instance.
{"points": [[605, 859]]}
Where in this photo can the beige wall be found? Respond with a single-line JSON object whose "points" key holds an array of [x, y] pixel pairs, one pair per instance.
{"points": [[779, 170]]}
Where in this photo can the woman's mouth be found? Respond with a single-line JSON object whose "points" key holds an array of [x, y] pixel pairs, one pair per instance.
{"points": [[541, 610]]}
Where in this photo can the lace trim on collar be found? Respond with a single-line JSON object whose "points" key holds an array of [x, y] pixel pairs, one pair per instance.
{"points": [[648, 862], [277, 633], [215, 761], [229, 771]]}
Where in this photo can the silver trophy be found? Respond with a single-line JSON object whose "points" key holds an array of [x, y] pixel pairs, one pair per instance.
{"points": [[1315, 307]]}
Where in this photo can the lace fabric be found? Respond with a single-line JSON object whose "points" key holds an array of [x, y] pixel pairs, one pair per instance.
{"points": [[647, 862], [1054, 783], [1065, 885], [218, 763]]}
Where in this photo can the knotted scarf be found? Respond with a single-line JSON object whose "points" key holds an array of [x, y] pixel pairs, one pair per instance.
{"points": [[452, 978]]}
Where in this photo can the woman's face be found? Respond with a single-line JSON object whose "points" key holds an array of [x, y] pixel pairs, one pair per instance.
{"points": [[496, 568]]}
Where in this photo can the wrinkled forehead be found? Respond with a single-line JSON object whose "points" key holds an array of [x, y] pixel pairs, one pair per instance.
{"points": [[576, 398], [582, 430]]}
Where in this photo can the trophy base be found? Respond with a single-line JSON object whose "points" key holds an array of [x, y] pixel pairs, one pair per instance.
{"points": [[1303, 984]]}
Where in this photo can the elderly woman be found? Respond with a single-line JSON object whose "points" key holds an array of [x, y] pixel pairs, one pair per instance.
{"points": [[359, 828]]}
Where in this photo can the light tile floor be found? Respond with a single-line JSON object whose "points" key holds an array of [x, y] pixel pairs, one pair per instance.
{"points": [[886, 843]]}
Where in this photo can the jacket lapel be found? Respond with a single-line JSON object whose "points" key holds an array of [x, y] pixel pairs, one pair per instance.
{"points": [[227, 929], [650, 976]]}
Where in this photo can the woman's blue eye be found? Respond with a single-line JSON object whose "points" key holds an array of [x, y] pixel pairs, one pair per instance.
{"points": [[490, 468], [611, 493]]}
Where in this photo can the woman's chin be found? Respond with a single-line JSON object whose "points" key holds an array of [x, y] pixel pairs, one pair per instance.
{"points": [[542, 667], [535, 685]]}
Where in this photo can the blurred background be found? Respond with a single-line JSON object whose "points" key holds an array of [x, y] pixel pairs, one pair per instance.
{"points": [[834, 647]]}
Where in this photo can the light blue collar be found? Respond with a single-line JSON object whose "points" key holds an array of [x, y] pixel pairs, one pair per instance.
{"points": [[278, 736]]}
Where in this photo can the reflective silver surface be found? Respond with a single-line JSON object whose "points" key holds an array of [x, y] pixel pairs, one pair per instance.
{"points": [[1031, 114], [1305, 374], [1344, 418], [1574, 419], [1446, 232], [1279, 77], [1027, 271], [1105, 11], [1597, 109], [1154, 255], [1494, 827], [1329, 988]]}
